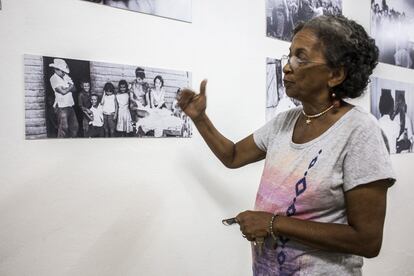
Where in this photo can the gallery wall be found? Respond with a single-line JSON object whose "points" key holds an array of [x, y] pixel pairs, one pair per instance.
{"points": [[150, 206]]}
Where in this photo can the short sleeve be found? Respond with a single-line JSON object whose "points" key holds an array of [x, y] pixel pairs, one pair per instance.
{"points": [[54, 82], [267, 133], [367, 158], [261, 136], [67, 79]]}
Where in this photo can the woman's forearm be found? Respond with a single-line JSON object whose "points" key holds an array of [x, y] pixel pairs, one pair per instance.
{"points": [[222, 147], [328, 236], [361, 235]]}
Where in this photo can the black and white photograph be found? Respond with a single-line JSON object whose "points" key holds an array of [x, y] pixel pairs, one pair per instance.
{"points": [[392, 103], [68, 98], [276, 99], [177, 9], [283, 15], [392, 25]]}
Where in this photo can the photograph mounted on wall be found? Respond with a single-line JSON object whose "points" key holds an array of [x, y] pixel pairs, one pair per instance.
{"points": [[392, 103], [68, 98], [283, 15], [173, 9], [276, 99], [392, 25]]}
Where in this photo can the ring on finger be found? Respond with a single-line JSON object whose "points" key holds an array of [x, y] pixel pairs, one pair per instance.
{"points": [[259, 241]]}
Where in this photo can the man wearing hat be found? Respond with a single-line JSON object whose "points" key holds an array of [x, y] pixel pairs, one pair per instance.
{"points": [[63, 87]]}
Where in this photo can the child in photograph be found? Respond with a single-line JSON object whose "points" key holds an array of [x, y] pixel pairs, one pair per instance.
{"points": [[124, 124], [63, 87], [84, 104], [178, 112], [110, 109], [175, 108], [96, 118], [157, 95]]}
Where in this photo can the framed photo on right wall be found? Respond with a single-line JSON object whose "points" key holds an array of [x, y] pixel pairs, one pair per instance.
{"points": [[392, 25], [392, 103], [283, 15]]}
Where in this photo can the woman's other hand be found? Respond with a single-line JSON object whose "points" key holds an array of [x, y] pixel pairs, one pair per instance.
{"points": [[254, 224]]}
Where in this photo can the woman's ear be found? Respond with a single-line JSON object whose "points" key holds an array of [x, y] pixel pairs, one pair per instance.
{"points": [[338, 75]]}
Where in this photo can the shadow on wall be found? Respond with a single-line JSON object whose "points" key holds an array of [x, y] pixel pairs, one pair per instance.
{"points": [[124, 238], [209, 183]]}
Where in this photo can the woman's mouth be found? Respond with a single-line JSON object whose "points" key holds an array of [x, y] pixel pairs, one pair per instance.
{"points": [[287, 83]]}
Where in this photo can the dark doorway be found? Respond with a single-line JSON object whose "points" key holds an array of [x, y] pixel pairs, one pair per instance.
{"points": [[79, 70]]}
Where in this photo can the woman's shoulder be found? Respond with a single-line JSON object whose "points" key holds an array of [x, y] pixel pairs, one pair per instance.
{"points": [[360, 122], [291, 112], [287, 115], [363, 118], [284, 120]]}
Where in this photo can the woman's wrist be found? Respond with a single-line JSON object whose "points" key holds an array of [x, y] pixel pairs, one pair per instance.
{"points": [[272, 227], [200, 118]]}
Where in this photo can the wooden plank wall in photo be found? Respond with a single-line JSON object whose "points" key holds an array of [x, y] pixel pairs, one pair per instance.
{"points": [[35, 115]]}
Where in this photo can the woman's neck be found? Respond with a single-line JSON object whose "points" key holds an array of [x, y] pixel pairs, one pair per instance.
{"points": [[316, 107]]}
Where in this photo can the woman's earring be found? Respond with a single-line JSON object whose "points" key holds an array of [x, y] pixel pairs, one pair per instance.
{"points": [[336, 102]]}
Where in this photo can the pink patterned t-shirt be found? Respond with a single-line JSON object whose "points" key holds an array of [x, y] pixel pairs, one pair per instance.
{"points": [[308, 181]]}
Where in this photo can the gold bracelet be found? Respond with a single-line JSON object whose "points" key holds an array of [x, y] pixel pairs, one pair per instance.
{"points": [[272, 233]]}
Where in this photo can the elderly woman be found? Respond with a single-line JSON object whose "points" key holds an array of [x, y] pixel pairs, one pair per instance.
{"points": [[320, 206]]}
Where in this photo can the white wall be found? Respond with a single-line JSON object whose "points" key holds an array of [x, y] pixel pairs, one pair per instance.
{"points": [[149, 206]]}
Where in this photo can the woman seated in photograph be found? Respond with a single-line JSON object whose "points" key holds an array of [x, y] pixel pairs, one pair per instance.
{"points": [[157, 94], [321, 203]]}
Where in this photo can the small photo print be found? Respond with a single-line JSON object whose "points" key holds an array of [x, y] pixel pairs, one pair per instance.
{"points": [[392, 103], [392, 25], [276, 99], [283, 15], [68, 98], [173, 9]]}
